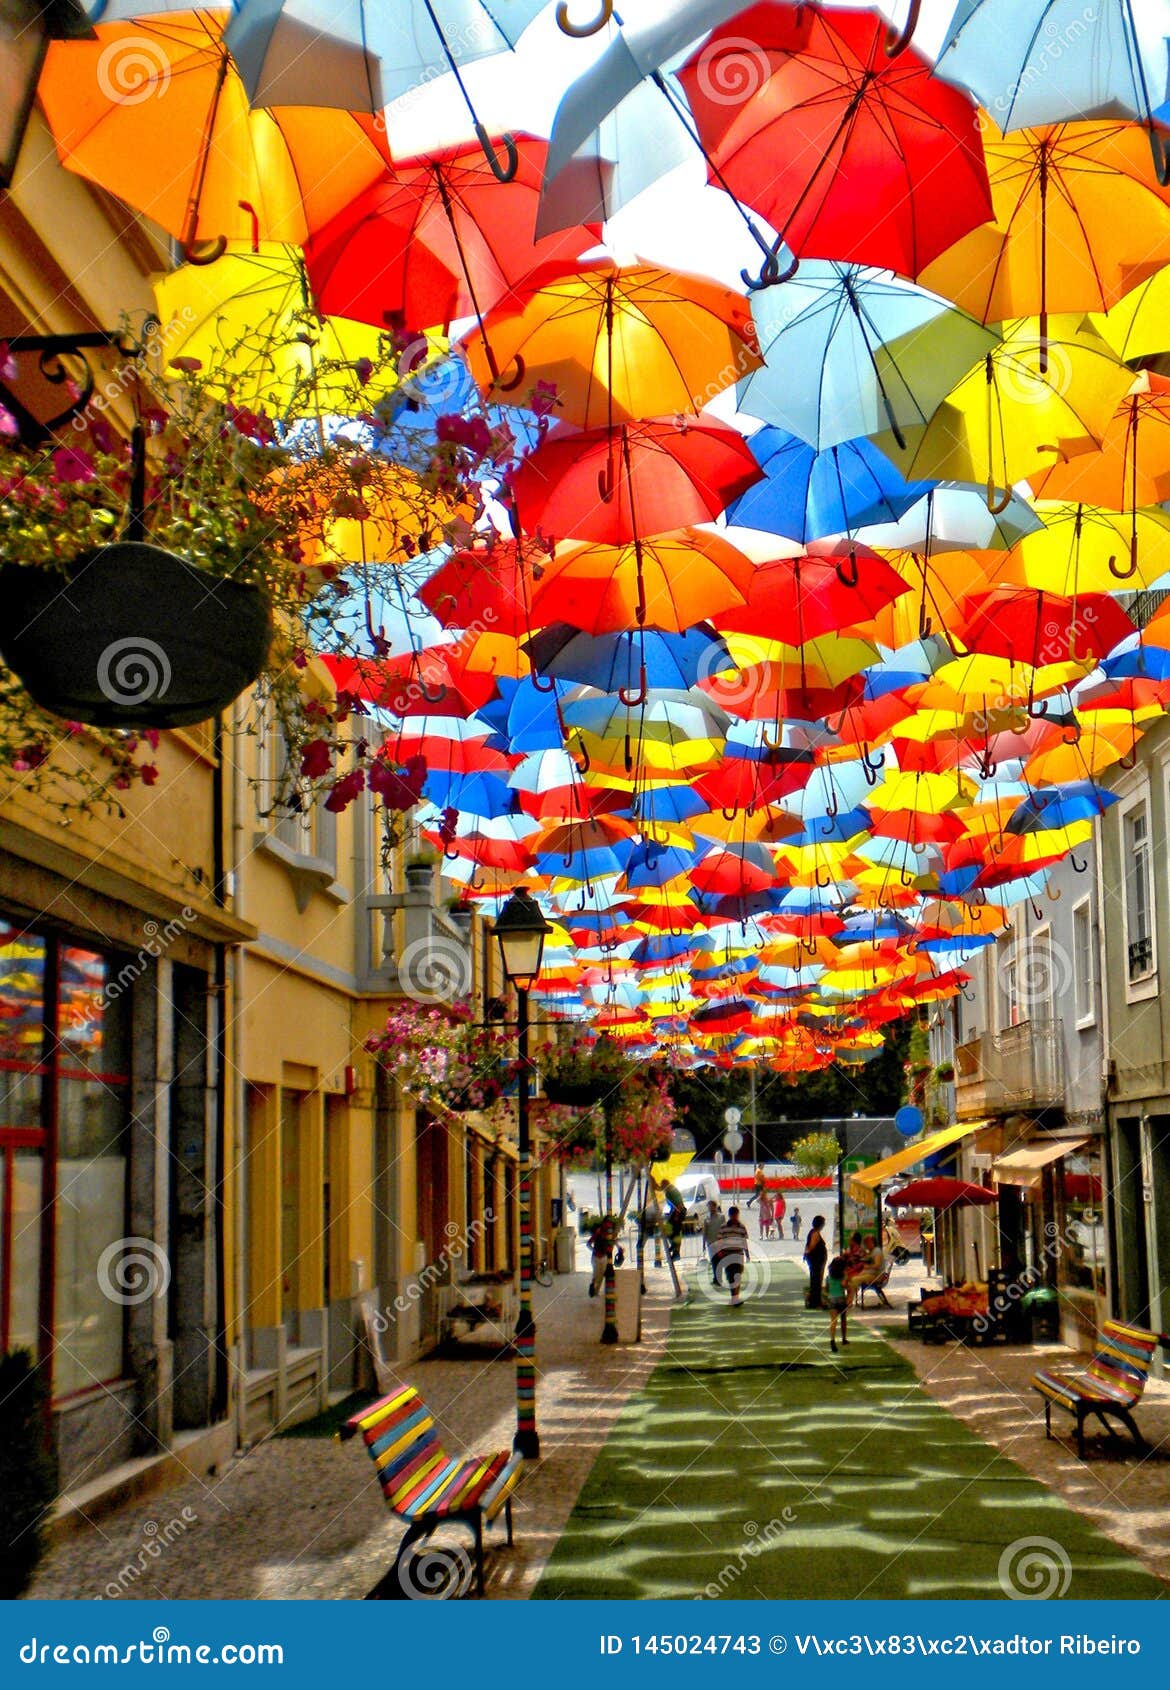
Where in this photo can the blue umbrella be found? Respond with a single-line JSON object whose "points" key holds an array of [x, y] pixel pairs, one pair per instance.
{"points": [[477, 794], [809, 494], [853, 351], [629, 661], [1111, 62]]}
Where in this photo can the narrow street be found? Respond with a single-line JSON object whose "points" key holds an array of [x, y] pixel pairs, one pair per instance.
{"points": [[730, 1454]]}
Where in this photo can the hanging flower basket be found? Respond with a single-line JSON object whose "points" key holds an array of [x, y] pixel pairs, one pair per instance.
{"points": [[578, 1096], [135, 637]]}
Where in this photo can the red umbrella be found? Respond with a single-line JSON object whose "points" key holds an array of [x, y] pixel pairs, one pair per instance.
{"points": [[425, 683], [613, 484], [1029, 625], [486, 586], [441, 237], [942, 1193], [849, 153], [832, 586]]}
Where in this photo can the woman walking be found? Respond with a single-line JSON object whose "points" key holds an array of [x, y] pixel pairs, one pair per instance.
{"points": [[816, 1254]]}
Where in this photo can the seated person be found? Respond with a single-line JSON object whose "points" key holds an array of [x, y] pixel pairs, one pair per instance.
{"points": [[871, 1270]]}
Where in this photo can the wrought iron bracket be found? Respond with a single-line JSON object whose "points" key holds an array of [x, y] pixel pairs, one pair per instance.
{"points": [[52, 351]]}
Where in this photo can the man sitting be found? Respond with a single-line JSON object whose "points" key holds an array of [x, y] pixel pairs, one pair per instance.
{"points": [[872, 1271]]}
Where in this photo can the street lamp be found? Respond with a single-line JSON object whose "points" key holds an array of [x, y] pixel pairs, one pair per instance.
{"points": [[520, 930]]}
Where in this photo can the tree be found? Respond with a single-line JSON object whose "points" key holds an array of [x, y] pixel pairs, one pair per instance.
{"points": [[816, 1153]]}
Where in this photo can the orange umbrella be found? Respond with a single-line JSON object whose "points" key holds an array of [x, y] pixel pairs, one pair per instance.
{"points": [[154, 111], [611, 345]]}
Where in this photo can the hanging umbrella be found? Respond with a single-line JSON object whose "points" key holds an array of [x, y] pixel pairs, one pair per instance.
{"points": [[1111, 60], [628, 661], [1083, 549], [805, 494], [850, 153], [953, 517], [155, 112], [850, 352], [1028, 625], [638, 478], [1131, 467], [439, 238], [1079, 221], [1024, 403], [287, 358], [366, 53], [612, 345], [832, 586], [669, 582]]}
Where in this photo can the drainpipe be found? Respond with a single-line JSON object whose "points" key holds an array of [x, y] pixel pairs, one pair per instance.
{"points": [[240, 1240], [1102, 1007], [222, 1389]]}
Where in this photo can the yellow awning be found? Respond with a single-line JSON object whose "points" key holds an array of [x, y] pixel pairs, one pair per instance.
{"points": [[1022, 1166], [863, 1183]]}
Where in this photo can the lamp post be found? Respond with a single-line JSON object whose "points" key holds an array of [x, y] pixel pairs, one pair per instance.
{"points": [[520, 931]]}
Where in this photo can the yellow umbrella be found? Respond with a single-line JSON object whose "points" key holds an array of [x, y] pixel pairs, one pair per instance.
{"points": [[1079, 220], [1083, 549], [1138, 326], [1026, 404], [256, 306]]}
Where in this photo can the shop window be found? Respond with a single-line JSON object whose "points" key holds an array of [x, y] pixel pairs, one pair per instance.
{"points": [[1139, 896], [1078, 1189], [64, 1110]]}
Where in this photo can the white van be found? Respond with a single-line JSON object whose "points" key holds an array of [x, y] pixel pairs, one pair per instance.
{"points": [[696, 1191]]}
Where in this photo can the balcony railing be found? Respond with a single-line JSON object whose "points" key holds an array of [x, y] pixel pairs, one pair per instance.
{"points": [[1021, 1067]]}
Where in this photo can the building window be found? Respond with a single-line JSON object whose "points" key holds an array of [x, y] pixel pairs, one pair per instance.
{"points": [[295, 813], [64, 1096], [1139, 895], [1084, 964]]}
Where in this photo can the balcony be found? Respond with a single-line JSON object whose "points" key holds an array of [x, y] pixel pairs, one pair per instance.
{"points": [[414, 949], [1020, 1068]]}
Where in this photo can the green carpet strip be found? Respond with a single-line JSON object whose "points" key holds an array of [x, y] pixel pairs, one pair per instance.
{"points": [[755, 1464]]}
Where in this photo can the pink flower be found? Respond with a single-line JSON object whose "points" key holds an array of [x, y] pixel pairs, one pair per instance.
{"points": [[71, 464]]}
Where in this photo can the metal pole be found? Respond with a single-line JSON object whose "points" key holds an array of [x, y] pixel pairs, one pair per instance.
{"points": [[609, 1332], [755, 1143], [526, 1442]]}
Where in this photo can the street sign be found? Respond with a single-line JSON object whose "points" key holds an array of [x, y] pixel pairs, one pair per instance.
{"points": [[908, 1121], [733, 1116], [733, 1140]]}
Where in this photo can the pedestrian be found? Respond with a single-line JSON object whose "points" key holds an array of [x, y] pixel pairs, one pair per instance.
{"points": [[712, 1227], [837, 1300], [816, 1254], [767, 1213], [649, 1230], [759, 1185], [795, 1225], [601, 1243], [731, 1254]]}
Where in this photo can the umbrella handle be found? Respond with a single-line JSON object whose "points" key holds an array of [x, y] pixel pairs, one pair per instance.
{"points": [[430, 697], [849, 577], [191, 253], [1038, 709], [582, 31], [502, 386], [475, 884], [451, 856], [827, 881], [925, 623], [1053, 893], [995, 506], [898, 43], [870, 770], [505, 172], [1126, 574], [1129, 761], [729, 815], [770, 273], [605, 483], [543, 683], [1078, 868], [1161, 157]]}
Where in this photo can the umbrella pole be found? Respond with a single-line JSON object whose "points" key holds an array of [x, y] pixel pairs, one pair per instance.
{"points": [[449, 213], [505, 172]]}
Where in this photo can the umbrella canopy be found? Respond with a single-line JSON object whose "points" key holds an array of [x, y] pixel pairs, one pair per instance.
{"points": [[612, 345], [155, 111], [850, 153]]}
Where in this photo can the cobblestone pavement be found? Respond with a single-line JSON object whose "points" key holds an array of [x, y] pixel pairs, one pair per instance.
{"points": [[303, 1517]]}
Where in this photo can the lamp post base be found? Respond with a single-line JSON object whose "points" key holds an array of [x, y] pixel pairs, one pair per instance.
{"points": [[527, 1444]]}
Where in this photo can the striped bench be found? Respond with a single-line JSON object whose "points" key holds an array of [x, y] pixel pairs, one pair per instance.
{"points": [[427, 1488], [1110, 1387]]}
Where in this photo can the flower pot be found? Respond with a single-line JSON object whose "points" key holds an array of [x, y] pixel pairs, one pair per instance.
{"points": [[134, 638], [420, 877], [460, 918], [580, 1096]]}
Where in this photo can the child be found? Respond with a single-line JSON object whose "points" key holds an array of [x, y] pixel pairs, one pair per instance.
{"points": [[835, 1299]]}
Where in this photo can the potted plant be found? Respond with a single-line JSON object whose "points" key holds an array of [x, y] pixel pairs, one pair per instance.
{"points": [[641, 1121], [572, 1137], [460, 912], [440, 1056], [944, 1073], [581, 1071], [420, 870]]}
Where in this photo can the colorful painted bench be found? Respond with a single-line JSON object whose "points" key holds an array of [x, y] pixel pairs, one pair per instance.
{"points": [[1110, 1387], [427, 1488]]}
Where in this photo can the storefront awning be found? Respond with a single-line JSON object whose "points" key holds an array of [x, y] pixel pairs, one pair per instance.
{"points": [[863, 1183], [1023, 1166]]}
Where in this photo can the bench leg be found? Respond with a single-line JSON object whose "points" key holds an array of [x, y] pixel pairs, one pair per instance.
{"points": [[508, 1519], [1081, 1433], [1047, 1418], [389, 1587], [1106, 1414]]}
